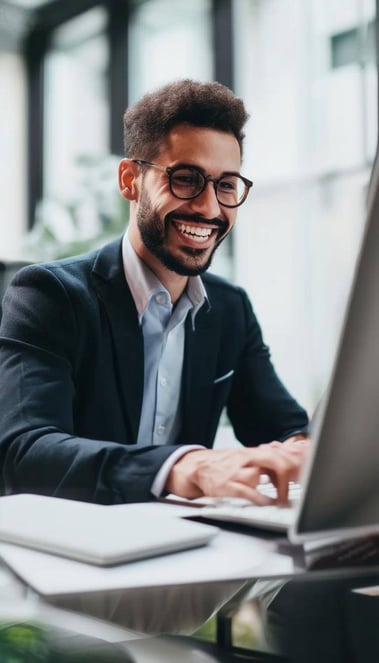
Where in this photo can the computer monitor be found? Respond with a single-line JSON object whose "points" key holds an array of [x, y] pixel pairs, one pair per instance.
{"points": [[341, 482]]}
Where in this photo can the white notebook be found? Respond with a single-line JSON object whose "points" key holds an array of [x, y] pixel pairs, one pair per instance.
{"points": [[102, 535]]}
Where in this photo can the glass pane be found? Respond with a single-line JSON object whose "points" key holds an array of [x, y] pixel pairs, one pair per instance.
{"points": [[76, 120], [78, 176], [168, 39], [345, 48], [309, 149]]}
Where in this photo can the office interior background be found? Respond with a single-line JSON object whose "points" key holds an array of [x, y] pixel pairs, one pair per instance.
{"points": [[307, 72]]}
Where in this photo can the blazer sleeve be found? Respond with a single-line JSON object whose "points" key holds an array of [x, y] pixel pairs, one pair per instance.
{"points": [[260, 407], [39, 450]]}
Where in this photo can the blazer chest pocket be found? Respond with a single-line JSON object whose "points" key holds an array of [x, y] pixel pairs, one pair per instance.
{"points": [[224, 378]]}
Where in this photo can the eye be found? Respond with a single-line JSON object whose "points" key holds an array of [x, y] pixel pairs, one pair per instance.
{"points": [[188, 179], [185, 179], [228, 185]]}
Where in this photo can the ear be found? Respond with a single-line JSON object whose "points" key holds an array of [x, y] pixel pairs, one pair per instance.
{"points": [[127, 175]]}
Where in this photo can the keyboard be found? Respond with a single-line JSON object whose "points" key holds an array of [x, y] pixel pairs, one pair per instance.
{"points": [[363, 551], [271, 517]]}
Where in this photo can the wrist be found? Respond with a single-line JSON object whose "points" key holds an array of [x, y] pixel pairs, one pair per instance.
{"points": [[182, 477], [297, 438]]}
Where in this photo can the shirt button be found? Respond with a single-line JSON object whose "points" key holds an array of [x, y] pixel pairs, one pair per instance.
{"points": [[163, 382], [161, 429], [160, 299]]}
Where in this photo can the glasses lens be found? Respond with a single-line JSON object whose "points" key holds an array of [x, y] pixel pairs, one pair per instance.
{"points": [[186, 182], [231, 190]]}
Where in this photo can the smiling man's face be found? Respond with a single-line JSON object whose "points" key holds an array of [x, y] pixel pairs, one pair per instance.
{"points": [[182, 235]]}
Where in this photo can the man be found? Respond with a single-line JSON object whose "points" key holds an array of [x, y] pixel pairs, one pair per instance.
{"points": [[115, 366]]}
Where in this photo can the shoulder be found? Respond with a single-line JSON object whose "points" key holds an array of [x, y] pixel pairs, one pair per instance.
{"points": [[229, 304], [220, 289], [75, 271], [61, 288]]}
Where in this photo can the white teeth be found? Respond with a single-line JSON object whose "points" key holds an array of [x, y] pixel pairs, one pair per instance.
{"points": [[196, 233]]}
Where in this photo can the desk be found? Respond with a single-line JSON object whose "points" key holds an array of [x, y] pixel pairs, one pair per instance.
{"points": [[175, 593], [230, 556]]}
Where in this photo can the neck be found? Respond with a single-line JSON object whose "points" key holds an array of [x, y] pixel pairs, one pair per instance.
{"points": [[174, 283]]}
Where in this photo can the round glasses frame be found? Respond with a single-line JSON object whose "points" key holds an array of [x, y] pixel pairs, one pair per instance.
{"points": [[171, 170]]}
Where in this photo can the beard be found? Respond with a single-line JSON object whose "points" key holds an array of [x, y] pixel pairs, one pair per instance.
{"points": [[154, 232]]}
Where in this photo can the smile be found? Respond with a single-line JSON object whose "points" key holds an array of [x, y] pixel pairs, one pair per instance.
{"points": [[195, 233]]}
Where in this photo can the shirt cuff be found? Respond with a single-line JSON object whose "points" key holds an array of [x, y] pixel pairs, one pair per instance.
{"points": [[298, 434], [159, 482]]}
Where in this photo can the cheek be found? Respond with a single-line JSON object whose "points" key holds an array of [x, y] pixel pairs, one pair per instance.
{"points": [[162, 203]]}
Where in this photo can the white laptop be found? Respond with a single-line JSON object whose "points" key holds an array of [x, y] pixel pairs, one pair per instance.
{"points": [[102, 535], [242, 512], [340, 486]]}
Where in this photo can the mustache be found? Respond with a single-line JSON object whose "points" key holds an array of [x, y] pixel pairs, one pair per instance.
{"points": [[197, 218]]}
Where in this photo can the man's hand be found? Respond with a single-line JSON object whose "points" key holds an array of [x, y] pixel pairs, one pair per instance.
{"points": [[236, 472], [297, 444]]}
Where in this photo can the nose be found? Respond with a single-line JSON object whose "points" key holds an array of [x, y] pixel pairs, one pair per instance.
{"points": [[206, 202]]}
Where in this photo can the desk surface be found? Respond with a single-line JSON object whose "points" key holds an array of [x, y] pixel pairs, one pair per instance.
{"points": [[235, 554], [172, 593], [229, 556]]}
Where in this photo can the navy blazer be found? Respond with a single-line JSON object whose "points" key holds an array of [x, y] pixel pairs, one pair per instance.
{"points": [[71, 376]]}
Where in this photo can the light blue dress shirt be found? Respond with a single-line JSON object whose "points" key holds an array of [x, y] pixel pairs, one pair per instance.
{"points": [[163, 328]]}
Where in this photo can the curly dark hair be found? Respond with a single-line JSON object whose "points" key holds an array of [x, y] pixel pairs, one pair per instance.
{"points": [[209, 105]]}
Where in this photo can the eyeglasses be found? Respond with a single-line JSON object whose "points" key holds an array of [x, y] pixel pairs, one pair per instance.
{"points": [[187, 182]]}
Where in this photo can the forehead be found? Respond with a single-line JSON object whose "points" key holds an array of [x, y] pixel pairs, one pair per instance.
{"points": [[213, 150]]}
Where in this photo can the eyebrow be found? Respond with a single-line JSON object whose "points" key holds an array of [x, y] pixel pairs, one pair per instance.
{"points": [[203, 171]]}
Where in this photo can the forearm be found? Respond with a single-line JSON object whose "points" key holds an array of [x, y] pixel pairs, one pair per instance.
{"points": [[54, 463]]}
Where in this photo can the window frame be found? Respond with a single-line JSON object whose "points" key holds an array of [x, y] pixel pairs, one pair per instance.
{"points": [[50, 16]]}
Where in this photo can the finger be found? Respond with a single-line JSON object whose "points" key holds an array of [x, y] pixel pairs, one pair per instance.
{"points": [[243, 491], [282, 486], [277, 460], [250, 476], [241, 483], [281, 466]]}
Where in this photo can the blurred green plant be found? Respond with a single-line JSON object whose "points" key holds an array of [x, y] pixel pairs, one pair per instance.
{"points": [[21, 642], [246, 629], [94, 213]]}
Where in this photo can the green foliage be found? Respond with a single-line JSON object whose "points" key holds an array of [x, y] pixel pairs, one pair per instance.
{"points": [[21, 642], [243, 632], [92, 214]]}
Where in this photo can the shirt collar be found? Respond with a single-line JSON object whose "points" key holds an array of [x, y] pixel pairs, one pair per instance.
{"points": [[144, 284]]}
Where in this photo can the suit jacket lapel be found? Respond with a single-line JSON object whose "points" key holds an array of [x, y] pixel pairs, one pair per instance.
{"points": [[115, 295], [200, 356], [201, 350]]}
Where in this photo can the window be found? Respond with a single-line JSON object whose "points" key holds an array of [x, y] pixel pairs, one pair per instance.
{"points": [[169, 40], [345, 48], [353, 46], [309, 149], [76, 114]]}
